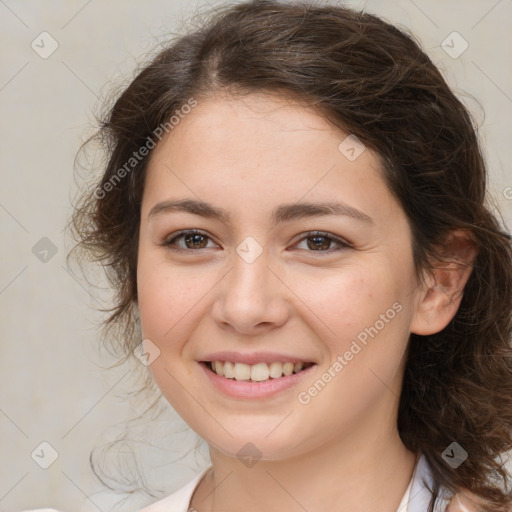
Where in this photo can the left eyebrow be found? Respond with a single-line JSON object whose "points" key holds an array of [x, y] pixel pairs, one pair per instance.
{"points": [[288, 212], [282, 213]]}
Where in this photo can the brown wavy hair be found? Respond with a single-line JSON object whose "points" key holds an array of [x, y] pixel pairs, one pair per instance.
{"points": [[370, 79]]}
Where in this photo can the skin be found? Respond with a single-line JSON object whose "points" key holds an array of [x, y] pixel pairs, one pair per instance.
{"points": [[341, 451]]}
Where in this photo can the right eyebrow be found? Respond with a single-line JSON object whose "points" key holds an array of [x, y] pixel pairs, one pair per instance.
{"points": [[191, 206]]}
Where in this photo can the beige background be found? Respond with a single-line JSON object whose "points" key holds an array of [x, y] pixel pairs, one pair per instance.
{"points": [[51, 388]]}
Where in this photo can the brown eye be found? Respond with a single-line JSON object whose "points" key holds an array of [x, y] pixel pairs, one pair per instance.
{"points": [[321, 242], [197, 241], [192, 239]]}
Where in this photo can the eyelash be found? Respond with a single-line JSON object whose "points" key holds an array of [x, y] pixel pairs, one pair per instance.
{"points": [[170, 244]]}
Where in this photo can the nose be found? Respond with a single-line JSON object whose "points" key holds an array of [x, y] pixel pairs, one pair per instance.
{"points": [[252, 297]]}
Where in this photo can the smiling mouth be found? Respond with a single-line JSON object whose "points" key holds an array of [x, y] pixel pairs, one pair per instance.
{"points": [[259, 372]]}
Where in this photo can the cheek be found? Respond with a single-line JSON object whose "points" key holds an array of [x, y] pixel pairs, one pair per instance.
{"points": [[167, 294], [368, 314], [350, 299], [368, 317], [168, 298]]}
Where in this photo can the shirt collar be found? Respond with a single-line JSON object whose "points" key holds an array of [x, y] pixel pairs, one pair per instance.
{"points": [[418, 494]]}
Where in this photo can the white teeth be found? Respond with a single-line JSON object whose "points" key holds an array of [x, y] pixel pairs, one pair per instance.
{"points": [[276, 370], [218, 368], [260, 372], [287, 369], [242, 371], [229, 370], [257, 372]]}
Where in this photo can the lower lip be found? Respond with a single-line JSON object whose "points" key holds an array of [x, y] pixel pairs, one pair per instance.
{"points": [[249, 389]]}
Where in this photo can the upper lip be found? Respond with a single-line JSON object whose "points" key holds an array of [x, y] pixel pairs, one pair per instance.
{"points": [[255, 357]]}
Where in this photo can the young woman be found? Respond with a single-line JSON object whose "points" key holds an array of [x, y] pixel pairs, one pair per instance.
{"points": [[294, 218]]}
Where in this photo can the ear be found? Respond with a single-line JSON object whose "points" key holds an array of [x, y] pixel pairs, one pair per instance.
{"points": [[441, 292]]}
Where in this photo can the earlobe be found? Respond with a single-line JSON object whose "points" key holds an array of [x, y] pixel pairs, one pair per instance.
{"points": [[441, 291]]}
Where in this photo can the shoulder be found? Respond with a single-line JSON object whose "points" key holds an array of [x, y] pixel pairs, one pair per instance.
{"points": [[462, 501], [179, 501], [457, 504]]}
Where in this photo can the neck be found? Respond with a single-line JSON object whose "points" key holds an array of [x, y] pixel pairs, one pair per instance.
{"points": [[358, 473]]}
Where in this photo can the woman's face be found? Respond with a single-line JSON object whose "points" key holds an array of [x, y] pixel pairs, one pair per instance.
{"points": [[257, 287]]}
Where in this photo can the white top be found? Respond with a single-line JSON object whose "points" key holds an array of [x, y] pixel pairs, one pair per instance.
{"points": [[415, 499]]}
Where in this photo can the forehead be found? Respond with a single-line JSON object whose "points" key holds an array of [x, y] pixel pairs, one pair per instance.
{"points": [[266, 126], [258, 151]]}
